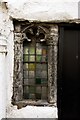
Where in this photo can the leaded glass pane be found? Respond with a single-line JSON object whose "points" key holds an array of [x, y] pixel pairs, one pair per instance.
{"points": [[31, 89], [31, 96], [44, 93], [25, 67], [31, 58], [39, 51], [38, 58], [32, 50], [38, 73], [31, 74], [25, 58], [35, 71], [31, 81], [44, 67], [26, 81], [43, 81], [38, 80], [38, 96], [44, 58], [25, 74], [26, 89], [44, 52], [26, 95], [44, 74], [31, 66], [26, 92], [38, 89], [38, 66], [25, 50]]}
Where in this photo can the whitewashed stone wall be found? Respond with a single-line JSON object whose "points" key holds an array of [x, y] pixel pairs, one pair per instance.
{"points": [[31, 10]]}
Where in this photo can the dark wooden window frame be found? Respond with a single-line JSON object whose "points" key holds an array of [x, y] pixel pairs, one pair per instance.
{"points": [[51, 38]]}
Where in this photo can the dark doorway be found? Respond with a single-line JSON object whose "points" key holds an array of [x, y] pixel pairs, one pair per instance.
{"points": [[69, 72]]}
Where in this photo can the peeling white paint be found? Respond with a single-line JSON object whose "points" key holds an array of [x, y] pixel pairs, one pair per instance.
{"points": [[43, 10]]}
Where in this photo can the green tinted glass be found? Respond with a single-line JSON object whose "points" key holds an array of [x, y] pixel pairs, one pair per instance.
{"points": [[31, 50], [25, 58], [38, 58], [31, 58], [38, 81], [38, 51], [43, 81]]}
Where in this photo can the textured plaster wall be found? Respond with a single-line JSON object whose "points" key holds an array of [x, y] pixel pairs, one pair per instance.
{"points": [[43, 10], [32, 10]]}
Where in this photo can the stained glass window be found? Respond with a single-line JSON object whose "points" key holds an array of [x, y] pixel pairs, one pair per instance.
{"points": [[35, 73]]}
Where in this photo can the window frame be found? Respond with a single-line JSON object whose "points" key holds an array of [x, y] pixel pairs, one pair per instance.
{"points": [[51, 38]]}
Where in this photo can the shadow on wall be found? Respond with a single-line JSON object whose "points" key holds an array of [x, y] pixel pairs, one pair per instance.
{"points": [[78, 9]]}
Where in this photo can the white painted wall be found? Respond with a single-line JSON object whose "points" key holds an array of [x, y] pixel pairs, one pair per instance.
{"points": [[2, 77], [32, 10], [44, 10]]}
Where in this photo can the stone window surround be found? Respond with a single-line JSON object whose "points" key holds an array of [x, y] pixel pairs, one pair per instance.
{"points": [[51, 33]]}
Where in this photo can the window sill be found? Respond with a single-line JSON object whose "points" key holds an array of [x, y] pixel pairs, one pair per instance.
{"points": [[24, 103]]}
